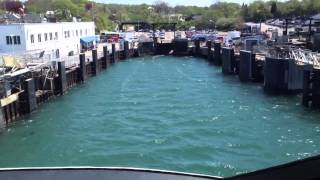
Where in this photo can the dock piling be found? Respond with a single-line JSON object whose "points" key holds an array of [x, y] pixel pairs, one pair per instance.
{"points": [[246, 65], [126, 50], [2, 119], [210, 54], [197, 47], [114, 54], [306, 94], [274, 73], [28, 100], [282, 75], [105, 58], [94, 62], [62, 78], [316, 88], [228, 61], [82, 68], [217, 53]]}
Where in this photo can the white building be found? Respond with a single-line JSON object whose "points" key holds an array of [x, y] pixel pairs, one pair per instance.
{"points": [[55, 39]]}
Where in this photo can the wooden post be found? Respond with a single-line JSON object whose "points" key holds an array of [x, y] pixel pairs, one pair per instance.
{"points": [[82, 69], [197, 47], [217, 53], [105, 58], [2, 118], [94, 62], [228, 61], [246, 65], [28, 101], [209, 46], [62, 80], [276, 75], [113, 55], [126, 49], [306, 88], [316, 89]]}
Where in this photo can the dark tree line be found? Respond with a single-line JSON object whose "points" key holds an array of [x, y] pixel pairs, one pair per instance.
{"points": [[221, 15]]}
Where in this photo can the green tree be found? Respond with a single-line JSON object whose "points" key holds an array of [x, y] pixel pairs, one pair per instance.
{"points": [[274, 9]]}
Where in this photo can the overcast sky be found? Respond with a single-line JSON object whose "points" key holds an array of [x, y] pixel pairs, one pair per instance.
{"points": [[174, 2]]}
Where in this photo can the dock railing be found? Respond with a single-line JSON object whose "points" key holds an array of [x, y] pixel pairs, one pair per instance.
{"points": [[306, 57]]}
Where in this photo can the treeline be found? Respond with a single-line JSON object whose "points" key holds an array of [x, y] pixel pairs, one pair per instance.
{"points": [[221, 15]]}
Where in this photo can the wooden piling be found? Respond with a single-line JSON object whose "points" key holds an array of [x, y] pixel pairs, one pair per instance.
{"points": [[95, 64], [217, 53], [197, 47], [210, 54], [306, 96], [28, 101], [180, 47], [228, 61], [126, 50], [62, 79], [276, 75], [246, 65], [105, 58], [113, 54], [82, 69], [316, 88]]}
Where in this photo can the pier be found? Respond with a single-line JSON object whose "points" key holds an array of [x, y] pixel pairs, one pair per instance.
{"points": [[299, 72], [296, 73]]}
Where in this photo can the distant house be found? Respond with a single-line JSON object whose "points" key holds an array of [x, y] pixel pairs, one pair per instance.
{"points": [[178, 17], [252, 27], [197, 17], [17, 18], [315, 19]]}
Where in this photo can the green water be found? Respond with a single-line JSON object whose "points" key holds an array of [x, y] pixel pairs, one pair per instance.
{"points": [[165, 113]]}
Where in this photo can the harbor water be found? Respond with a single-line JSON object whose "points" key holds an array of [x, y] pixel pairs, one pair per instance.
{"points": [[167, 113]]}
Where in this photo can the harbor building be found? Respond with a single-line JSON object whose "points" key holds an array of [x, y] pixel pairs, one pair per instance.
{"points": [[53, 40]]}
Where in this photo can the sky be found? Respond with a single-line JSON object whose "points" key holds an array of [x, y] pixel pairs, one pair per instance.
{"points": [[173, 2]]}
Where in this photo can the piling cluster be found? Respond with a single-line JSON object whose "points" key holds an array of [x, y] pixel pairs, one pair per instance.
{"points": [[278, 75], [34, 91]]}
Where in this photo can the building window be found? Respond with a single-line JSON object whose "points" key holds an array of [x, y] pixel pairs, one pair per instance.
{"points": [[39, 37], [66, 34], [32, 38], [16, 40], [80, 32], [45, 37], [86, 32], [56, 35], [77, 34], [50, 35], [13, 40], [9, 40]]}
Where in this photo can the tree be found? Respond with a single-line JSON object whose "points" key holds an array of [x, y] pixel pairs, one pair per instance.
{"points": [[161, 7], [14, 6], [274, 10], [244, 12], [259, 11]]}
